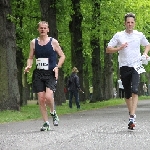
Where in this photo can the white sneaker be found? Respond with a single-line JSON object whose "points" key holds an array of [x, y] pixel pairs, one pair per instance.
{"points": [[131, 123], [134, 118], [55, 118]]}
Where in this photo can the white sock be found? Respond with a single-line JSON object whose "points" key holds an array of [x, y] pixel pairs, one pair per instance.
{"points": [[52, 112], [47, 122]]}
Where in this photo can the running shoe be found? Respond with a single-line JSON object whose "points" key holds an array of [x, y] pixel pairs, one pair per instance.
{"points": [[131, 123], [55, 118], [133, 116], [45, 127]]}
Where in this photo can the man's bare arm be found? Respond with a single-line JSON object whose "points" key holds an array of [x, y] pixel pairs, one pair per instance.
{"points": [[112, 49], [147, 49], [116, 49], [61, 55], [59, 51]]}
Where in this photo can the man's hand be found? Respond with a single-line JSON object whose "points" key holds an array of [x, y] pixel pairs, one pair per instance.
{"points": [[123, 46], [27, 69], [56, 72], [146, 55], [81, 90]]}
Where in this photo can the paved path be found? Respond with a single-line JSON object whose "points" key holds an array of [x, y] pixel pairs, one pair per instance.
{"points": [[101, 129]]}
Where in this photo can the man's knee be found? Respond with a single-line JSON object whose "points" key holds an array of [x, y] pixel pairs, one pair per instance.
{"points": [[135, 90], [128, 95]]}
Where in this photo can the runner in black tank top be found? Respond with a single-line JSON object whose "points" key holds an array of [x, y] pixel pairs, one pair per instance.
{"points": [[44, 78]]}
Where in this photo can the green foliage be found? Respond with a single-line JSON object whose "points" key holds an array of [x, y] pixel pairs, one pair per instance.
{"points": [[63, 18], [111, 20], [26, 21]]}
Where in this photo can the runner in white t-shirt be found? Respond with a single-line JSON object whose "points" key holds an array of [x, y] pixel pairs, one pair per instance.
{"points": [[127, 43], [121, 89]]}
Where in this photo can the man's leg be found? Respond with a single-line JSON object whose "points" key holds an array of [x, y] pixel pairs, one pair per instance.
{"points": [[135, 84], [134, 104], [126, 77], [50, 99], [76, 95], [119, 93], [128, 96], [70, 99], [50, 102], [42, 105], [129, 104]]}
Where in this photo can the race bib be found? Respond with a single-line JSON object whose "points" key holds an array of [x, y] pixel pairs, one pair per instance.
{"points": [[42, 63], [139, 68]]}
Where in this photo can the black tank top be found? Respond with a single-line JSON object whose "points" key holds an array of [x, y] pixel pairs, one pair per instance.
{"points": [[46, 51]]}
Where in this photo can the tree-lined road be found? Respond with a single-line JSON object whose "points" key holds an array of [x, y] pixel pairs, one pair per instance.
{"points": [[101, 129]]}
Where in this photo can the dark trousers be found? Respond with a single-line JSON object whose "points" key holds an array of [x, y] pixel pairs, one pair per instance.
{"points": [[76, 95], [121, 93]]}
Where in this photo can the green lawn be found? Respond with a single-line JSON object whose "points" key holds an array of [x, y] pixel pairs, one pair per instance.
{"points": [[31, 111]]}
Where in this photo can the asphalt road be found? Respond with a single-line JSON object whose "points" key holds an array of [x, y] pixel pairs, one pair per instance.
{"points": [[100, 129]]}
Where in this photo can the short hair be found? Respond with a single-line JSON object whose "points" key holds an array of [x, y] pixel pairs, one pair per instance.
{"points": [[42, 22], [129, 15], [75, 70]]}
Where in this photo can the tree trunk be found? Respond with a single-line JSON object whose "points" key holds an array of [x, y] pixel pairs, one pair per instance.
{"points": [[86, 83], [48, 10], [148, 82], [19, 37], [108, 75], [19, 73], [75, 28], [9, 90], [95, 44], [59, 94], [25, 90]]}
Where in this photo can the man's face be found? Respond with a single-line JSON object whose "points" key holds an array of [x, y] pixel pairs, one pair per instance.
{"points": [[43, 29], [129, 23]]}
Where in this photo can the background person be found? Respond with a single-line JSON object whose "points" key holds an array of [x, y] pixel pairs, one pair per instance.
{"points": [[114, 92], [145, 89], [121, 89], [44, 78], [74, 87], [91, 91]]}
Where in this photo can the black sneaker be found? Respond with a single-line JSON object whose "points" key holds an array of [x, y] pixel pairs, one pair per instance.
{"points": [[45, 127], [55, 118]]}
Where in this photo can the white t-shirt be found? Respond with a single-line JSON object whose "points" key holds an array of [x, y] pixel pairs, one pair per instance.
{"points": [[129, 56], [120, 84]]}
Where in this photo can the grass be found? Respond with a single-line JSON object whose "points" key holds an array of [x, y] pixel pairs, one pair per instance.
{"points": [[31, 111]]}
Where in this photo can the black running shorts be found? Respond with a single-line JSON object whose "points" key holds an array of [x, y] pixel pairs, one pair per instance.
{"points": [[42, 79], [130, 80]]}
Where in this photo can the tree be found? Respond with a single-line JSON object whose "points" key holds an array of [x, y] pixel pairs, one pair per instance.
{"points": [[25, 21], [9, 90], [107, 75], [95, 44], [48, 11], [19, 53], [75, 28]]}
